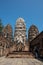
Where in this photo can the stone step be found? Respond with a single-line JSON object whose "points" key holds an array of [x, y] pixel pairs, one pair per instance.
{"points": [[20, 55]]}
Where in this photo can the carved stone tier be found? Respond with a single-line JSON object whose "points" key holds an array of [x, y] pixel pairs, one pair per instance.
{"points": [[18, 54]]}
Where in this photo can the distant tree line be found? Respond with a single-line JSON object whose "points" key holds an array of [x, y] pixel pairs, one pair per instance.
{"points": [[1, 25]]}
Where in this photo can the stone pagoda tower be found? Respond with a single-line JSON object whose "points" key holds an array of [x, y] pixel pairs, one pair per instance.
{"points": [[20, 34], [33, 32], [7, 31]]}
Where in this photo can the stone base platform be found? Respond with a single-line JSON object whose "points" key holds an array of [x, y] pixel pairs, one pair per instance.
{"points": [[23, 54], [20, 61]]}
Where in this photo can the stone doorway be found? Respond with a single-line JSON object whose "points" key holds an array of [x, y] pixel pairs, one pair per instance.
{"points": [[20, 49]]}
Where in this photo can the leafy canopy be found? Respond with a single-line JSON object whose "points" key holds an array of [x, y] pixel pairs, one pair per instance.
{"points": [[1, 26]]}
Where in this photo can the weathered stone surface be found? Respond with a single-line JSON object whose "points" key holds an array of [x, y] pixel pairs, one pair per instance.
{"points": [[7, 30], [20, 35], [33, 32], [19, 43], [20, 31], [23, 54], [19, 61]]}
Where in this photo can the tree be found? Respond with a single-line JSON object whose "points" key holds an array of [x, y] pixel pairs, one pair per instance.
{"points": [[1, 26]]}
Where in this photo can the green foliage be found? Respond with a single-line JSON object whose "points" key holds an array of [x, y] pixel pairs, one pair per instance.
{"points": [[1, 26]]}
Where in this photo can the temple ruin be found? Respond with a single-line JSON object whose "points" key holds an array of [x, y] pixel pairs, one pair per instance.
{"points": [[18, 45]]}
